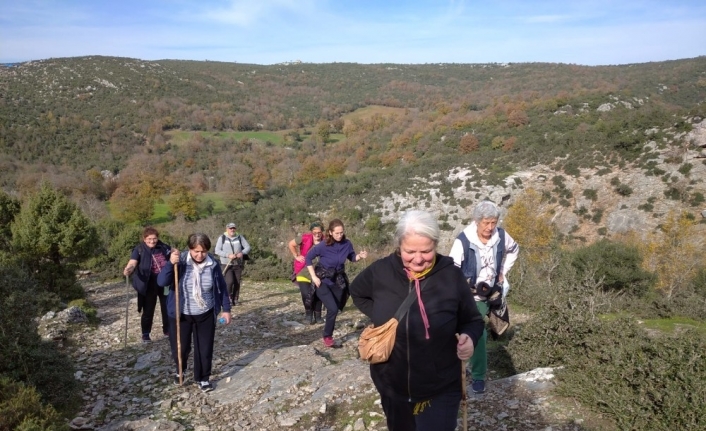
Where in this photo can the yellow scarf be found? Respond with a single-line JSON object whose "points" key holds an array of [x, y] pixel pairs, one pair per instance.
{"points": [[418, 275]]}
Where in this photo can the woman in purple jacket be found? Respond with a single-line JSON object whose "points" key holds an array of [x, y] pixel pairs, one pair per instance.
{"points": [[329, 276]]}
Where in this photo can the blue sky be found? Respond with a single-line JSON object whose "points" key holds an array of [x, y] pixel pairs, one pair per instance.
{"points": [[362, 31]]}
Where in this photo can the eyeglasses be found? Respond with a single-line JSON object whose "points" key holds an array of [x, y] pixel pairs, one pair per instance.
{"points": [[231, 228]]}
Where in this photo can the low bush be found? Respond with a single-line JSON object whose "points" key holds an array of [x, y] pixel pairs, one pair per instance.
{"points": [[25, 357], [612, 366], [614, 266], [21, 408]]}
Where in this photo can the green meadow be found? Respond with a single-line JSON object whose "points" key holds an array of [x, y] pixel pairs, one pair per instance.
{"points": [[161, 207], [179, 137]]}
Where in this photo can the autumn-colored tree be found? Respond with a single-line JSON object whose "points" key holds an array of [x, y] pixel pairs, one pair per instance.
{"points": [[529, 224], [337, 125], [509, 144], [468, 143], [260, 177], [676, 253], [236, 185], [182, 201], [133, 201], [517, 118]]}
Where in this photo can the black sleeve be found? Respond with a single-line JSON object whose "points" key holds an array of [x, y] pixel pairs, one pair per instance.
{"points": [[362, 291]]}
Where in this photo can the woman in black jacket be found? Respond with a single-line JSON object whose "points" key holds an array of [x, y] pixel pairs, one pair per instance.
{"points": [[420, 385], [146, 260]]}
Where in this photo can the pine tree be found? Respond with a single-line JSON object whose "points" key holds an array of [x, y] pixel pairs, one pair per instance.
{"points": [[52, 236]]}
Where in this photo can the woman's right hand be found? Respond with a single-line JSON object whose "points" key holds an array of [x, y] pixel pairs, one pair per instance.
{"points": [[128, 270], [316, 280], [300, 258], [174, 257]]}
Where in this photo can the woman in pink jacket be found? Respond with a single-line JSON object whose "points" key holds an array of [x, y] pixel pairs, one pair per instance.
{"points": [[299, 247]]}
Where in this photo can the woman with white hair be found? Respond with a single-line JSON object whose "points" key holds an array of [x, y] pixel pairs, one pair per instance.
{"points": [[420, 385], [485, 253]]}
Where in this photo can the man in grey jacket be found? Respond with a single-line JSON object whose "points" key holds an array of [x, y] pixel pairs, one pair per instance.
{"points": [[232, 248]]}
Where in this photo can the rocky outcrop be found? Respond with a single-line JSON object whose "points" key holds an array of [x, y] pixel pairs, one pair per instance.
{"points": [[626, 199]]}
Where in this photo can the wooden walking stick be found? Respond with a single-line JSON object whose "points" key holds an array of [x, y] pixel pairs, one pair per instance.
{"points": [[178, 336], [127, 305], [464, 394]]}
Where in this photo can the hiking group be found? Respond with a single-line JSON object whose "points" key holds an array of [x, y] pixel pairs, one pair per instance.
{"points": [[445, 300]]}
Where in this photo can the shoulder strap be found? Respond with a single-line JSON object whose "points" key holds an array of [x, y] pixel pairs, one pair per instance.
{"points": [[223, 241], [404, 307], [466, 267], [499, 252]]}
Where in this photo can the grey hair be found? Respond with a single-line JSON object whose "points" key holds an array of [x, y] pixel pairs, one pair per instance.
{"points": [[485, 209], [417, 222]]}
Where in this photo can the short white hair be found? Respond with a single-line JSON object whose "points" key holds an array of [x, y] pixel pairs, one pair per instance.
{"points": [[417, 222], [485, 209]]}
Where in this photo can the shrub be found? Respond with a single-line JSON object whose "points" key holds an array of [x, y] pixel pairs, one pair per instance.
{"points": [[697, 198], [685, 169], [623, 190], [646, 207], [25, 357], [613, 265], [699, 282], [21, 408], [597, 216], [591, 194], [656, 382]]}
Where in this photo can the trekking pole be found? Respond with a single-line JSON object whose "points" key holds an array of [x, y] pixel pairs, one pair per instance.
{"points": [[178, 337], [227, 266], [464, 394], [127, 305]]}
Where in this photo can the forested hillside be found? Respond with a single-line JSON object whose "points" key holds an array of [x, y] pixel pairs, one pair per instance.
{"points": [[66, 117]]}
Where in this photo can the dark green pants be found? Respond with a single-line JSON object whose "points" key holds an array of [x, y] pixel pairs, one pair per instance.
{"points": [[479, 360]]}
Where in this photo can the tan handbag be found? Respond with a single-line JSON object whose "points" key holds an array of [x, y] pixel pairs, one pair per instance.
{"points": [[375, 344]]}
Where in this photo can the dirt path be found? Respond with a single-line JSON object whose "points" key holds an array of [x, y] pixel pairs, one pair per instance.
{"points": [[271, 371]]}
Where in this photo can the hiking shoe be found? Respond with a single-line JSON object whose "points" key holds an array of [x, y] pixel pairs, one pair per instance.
{"points": [[146, 338], [176, 379], [206, 386], [328, 342], [478, 386]]}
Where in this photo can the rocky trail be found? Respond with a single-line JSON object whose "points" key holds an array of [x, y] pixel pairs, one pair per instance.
{"points": [[271, 372]]}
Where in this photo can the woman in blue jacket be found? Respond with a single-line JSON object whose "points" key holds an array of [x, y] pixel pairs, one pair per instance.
{"points": [[202, 296], [329, 276]]}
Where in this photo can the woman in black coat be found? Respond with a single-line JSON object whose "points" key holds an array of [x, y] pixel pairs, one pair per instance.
{"points": [[420, 385], [146, 260]]}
